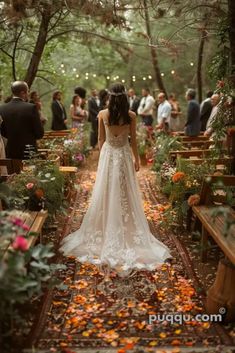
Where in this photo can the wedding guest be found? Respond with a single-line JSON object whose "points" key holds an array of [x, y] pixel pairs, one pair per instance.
{"points": [[205, 110], [193, 124], [104, 99], [93, 110], [163, 113], [77, 114], [145, 109], [215, 99], [134, 101], [3, 169], [35, 99], [21, 123], [59, 116], [81, 92], [175, 113]]}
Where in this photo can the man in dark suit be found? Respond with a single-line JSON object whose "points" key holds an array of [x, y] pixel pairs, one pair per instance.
{"points": [[21, 122], [193, 123], [59, 116], [93, 110], [134, 101], [205, 110]]}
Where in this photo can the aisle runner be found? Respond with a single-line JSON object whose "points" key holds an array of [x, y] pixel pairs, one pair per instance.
{"points": [[99, 311]]}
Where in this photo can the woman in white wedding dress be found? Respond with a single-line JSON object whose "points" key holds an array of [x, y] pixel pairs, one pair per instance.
{"points": [[115, 231]]}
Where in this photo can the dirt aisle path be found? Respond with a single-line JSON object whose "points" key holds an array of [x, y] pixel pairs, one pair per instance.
{"points": [[94, 312]]}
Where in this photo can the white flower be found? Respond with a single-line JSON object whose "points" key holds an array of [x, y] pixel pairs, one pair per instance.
{"points": [[47, 175]]}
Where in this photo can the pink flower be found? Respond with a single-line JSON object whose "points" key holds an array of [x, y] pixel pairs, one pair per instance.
{"points": [[20, 243], [29, 186]]}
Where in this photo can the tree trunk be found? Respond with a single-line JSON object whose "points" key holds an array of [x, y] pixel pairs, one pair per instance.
{"points": [[199, 65], [153, 51], [231, 15], [39, 47]]}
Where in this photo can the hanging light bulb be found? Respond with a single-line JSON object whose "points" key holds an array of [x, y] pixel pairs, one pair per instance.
{"points": [[77, 75], [108, 77], [94, 75], [144, 78], [162, 74], [63, 71], [62, 65], [123, 81], [150, 77], [172, 72], [74, 69], [191, 63]]}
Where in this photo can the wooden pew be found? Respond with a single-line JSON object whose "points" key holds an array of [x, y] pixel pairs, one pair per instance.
{"points": [[12, 165], [35, 222], [198, 144], [189, 153], [194, 138], [222, 292]]}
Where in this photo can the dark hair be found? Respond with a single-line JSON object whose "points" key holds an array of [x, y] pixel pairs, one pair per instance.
{"points": [[18, 86], [55, 94], [118, 105], [103, 97], [32, 94], [74, 97], [80, 91], [209, 94], [146, 89], [191, 93]]}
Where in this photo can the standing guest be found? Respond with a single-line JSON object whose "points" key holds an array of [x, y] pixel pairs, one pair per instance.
{"points": [[3, 169], [146, 106], [104, 99], [134, 101], [205, 110], [77, 114], [59, 116], [163, 113], [193, 123], [215, 99], [21, 122], [93, 110], [35, 99], [81, 92], [175, 112]]}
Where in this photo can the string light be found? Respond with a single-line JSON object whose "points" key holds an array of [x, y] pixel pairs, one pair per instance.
{"points": [[144, 78], [62, 65], [162, 74], [123, 81], [191, 63], [86, 77], [74, 69], [77, 75], [87, 73], [108, 77], [94, 75], [173, 72], [63, 71], [150, 77]]}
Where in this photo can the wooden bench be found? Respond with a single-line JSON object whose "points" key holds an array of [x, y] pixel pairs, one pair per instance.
{"points": [[189, 153], [214, 227], [54, 134], [213, 194], [35, 221], [198, 144], [12, 165], [194, 138]]}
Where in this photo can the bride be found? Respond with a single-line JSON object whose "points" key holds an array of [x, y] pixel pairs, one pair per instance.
{"points": [[115, 231]]}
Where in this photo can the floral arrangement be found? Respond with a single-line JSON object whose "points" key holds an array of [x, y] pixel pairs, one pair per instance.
{"points": [[144, 141], [25, 271], [76, 148], [39, 187]]}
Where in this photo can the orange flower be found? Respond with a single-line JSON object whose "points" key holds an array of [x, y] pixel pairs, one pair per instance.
{"points": [[193, 200], [39, 193], [231, 131], [177, 177]]}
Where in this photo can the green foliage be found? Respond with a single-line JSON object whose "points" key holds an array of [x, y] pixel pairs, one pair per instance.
{"points": [[39, 187], [24, 272]]}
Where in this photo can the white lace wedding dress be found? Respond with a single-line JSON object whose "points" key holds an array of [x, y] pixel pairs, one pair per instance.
{"points": [[115, 230]]}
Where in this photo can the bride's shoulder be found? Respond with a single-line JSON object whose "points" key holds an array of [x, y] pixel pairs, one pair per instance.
{"points": [[132, 115], [103, 113]]}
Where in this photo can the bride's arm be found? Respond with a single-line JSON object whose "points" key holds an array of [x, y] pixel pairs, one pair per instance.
{"points": [[133, 141], [101, 131]]}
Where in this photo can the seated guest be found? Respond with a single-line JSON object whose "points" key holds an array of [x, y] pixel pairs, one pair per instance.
{"points": [[215, 99], [193, 124], [59, 116], [21, 123], [205, 110]]}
